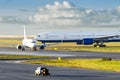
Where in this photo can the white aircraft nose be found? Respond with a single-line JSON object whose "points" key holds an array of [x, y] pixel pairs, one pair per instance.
{"points": [[37, 37], [32, 45]]}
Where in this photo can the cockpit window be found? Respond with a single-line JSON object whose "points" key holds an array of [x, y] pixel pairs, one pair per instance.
{"points": [[38, 35], [33, 41]]}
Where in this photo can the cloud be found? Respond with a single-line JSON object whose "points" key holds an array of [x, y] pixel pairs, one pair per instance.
{"points": [[68, 14], [116, 11], [0, 19], [14, 20], [58, 13]]}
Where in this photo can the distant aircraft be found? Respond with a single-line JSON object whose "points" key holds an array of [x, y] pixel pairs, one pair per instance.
{"points": [[97, 39], [29, 43]]}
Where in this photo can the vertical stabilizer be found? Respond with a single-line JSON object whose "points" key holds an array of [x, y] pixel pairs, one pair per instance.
{"points": [[25, 37]]}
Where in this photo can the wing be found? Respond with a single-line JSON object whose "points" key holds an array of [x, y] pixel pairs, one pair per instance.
{"points": [[107, 38]]}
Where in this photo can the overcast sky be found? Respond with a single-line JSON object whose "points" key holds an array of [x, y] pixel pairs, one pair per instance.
{"points": [[58, 15]]}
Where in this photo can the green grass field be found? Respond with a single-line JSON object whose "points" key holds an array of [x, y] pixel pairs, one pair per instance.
{"points": [[96, 64], [111, 47], [11, 57]]}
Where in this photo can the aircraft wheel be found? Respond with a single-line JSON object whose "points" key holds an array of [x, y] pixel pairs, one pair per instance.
{"points": [[23, 49], [36, 74], [98, 45], [34, 49], [95, 45], [102, 45], [41, 47]]}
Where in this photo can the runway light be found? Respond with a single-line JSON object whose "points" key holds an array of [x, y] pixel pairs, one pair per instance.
{"points": [[55, 49], [59, 58], [98, 46]]}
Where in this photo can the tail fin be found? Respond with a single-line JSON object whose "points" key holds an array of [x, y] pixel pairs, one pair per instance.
{"points": [[25, 37]]}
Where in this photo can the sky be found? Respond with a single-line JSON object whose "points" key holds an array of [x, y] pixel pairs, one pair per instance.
{"points": [[58, 15]]}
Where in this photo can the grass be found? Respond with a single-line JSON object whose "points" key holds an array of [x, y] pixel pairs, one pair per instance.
{"points": [[9, 42], [96, 64], [111, 47], [86, 48], [11, 57]]}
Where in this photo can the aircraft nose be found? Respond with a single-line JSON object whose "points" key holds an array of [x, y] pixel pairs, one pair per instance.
{"points": [[33, 45], [37, 37]]}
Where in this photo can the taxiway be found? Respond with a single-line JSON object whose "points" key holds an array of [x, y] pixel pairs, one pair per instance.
{"points": [[16, 71], [52, 53]]}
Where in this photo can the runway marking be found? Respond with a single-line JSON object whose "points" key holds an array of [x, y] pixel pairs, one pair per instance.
{"points": [[17, 62], [36, 54]]}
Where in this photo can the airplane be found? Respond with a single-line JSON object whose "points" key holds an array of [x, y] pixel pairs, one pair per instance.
{"points": [[29, 43], [79, 38]]}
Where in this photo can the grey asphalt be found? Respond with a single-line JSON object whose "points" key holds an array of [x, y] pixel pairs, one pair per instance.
{"points": [[16, 71], [69, 54]]}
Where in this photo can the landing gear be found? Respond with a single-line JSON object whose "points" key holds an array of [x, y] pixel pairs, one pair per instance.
{"points": [[42, 47], [34, 49], [99, 45], [23, 49]]}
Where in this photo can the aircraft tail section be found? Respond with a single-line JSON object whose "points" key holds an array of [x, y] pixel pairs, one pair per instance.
{"points": [[25, 37]]}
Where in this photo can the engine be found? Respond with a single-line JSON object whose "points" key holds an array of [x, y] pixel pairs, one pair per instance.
{"points": [[19, 47], [87, 41], [42, 46]]}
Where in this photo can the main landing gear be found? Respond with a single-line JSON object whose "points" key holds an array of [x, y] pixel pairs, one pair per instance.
{"points": [[101, 44]]}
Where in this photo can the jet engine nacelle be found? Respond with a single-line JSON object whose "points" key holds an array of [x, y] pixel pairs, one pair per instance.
{"points": [[42, 46], [19, 47], [86, 41]]}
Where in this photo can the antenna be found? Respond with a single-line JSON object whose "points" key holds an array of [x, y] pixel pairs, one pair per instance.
{"points": [[25, 37]]}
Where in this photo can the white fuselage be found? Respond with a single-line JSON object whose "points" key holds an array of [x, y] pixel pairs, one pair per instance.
{"points": [[30, 43], [69, 36]]}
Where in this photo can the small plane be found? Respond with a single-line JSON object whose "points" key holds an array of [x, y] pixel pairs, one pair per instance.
{"points": [[84, 38], [29, 43]]}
